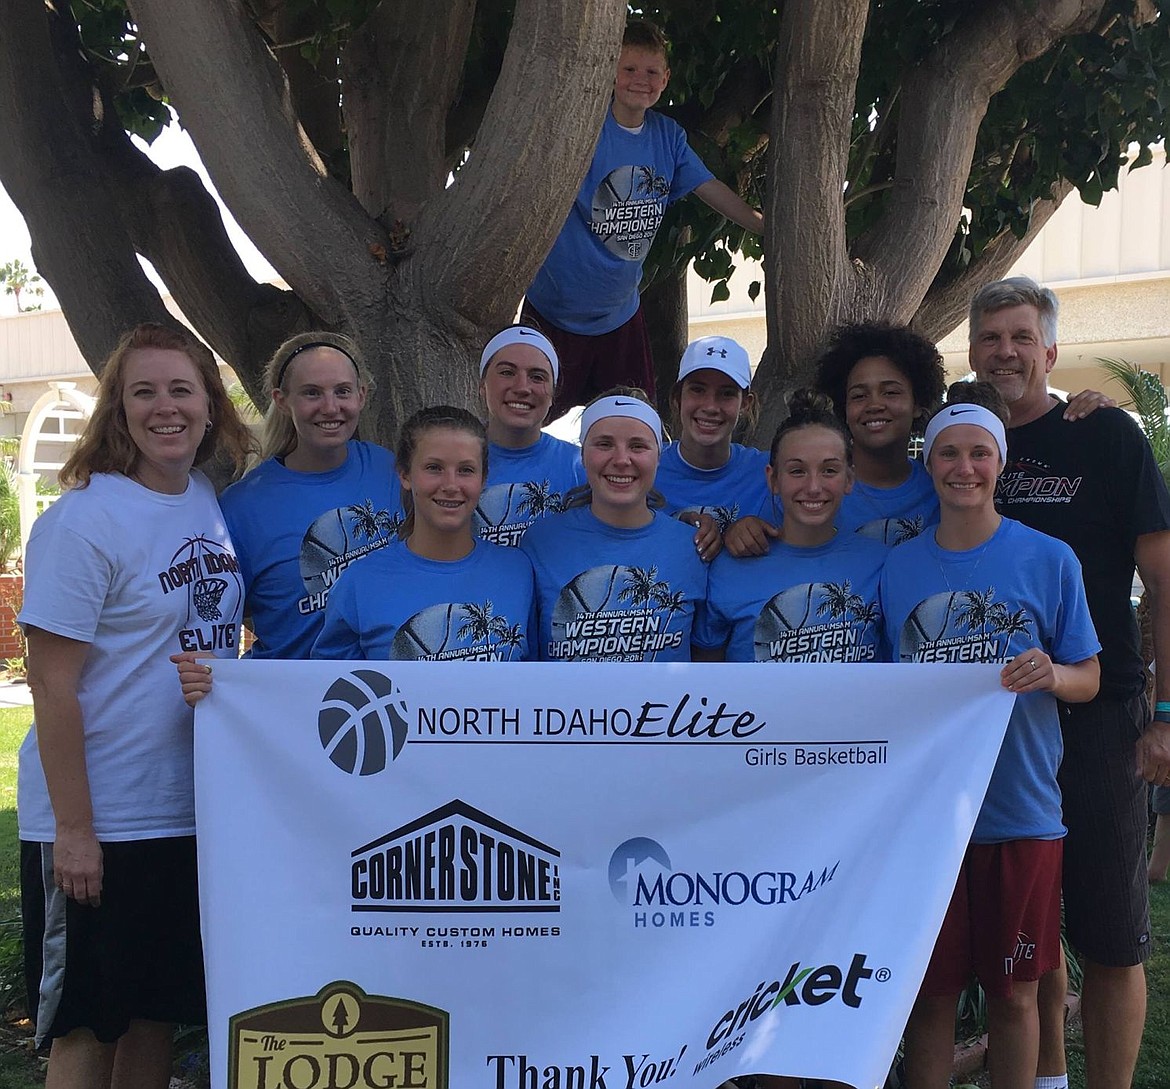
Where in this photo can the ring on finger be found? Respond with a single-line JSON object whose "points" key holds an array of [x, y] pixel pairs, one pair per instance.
{"points": [[1032, 663]]}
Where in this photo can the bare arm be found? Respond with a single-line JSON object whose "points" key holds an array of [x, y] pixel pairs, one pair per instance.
{"points": [[1034, 671], [708, 539], [1152, 553], [1086, 403], [54, 671], [750, 536], [727, 202]]}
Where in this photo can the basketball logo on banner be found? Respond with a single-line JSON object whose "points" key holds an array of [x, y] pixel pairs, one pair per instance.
{"points": [[363, 722]]}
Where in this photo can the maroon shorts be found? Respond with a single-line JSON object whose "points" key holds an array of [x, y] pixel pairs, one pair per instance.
{"points": [[590, 365], [1003, 921]]}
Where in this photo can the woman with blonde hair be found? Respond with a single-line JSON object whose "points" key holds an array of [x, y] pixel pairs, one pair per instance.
{"points": [[131, 565], [318, 502]]}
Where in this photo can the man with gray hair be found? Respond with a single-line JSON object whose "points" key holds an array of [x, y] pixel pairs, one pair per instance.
{"points": [[1094, 484]]}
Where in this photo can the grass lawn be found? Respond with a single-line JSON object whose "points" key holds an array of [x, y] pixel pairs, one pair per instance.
{"points": [[14, 723], [1153, 1069]]}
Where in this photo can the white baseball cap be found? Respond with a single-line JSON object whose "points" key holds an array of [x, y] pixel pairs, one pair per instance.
{"points": [[718, 354]]}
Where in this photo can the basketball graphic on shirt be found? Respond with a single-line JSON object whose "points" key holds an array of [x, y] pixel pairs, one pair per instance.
{"points": [[893, 531], [212, 579], [627, 210], [962, 626], [340, 536], [788, 611], [425, 635], [470, 631], [818, 622], [363, 722], [929, 621], [591, 591], [615, 613], [505, 511]]}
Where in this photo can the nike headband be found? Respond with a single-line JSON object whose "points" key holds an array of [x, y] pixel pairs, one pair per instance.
{"points": [[630, 407], [951, 415], [520, 334]]}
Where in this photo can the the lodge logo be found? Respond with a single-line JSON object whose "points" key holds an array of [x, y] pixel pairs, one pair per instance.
{"points": [[340, 1036], [456, 859], [363, 722]]}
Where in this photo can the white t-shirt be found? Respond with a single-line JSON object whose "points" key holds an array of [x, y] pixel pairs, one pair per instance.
{"points": [[138, 575]]}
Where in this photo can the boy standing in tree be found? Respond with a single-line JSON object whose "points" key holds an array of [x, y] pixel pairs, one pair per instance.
{"points": [[585, 296]]}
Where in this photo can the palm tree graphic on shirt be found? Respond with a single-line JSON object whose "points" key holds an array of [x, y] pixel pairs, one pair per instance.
{"points": [[370, 523]]}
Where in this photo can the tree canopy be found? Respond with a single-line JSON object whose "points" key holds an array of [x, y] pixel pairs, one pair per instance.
{"points": [[904, 152]]}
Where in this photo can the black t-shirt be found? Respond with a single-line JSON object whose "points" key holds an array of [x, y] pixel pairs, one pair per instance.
{"points": [[1094, 484]]}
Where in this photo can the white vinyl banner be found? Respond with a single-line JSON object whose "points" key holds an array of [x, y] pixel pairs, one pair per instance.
{"points": [[558, 876]]}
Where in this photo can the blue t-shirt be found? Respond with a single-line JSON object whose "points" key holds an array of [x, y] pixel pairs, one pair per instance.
{"points": [[728, 493], [891, 515], [524, 485], [294, 534], [400, 606], [588, 284], [606, 594], [1019, 589], [797, 604]]}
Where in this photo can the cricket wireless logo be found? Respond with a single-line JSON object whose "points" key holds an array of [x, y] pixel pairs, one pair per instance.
{"points": [[454, 859], [802, 985], [641, 877], [340, 1038]]}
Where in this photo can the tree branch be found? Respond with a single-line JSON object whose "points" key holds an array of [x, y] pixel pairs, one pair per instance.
{"points": [[542, 123], [818, 55], [244, 125], [747, 87], [944, 100], [174, 222], [401, 70], [945, 305], [315, 90], [58, 184]]}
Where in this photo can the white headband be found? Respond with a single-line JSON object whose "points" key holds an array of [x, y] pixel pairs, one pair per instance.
{"points": [[630, 407], [520, 334], [950, 415]]}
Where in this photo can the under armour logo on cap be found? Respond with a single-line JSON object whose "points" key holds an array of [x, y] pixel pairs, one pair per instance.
{"points": [[720, 354]]}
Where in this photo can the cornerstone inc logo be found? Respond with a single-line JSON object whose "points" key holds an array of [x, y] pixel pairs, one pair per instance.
{"points": [[456, 859], [642, 877], [363, 722]]}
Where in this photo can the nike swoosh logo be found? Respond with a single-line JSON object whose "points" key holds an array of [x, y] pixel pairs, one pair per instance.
{"points": [[624, 403], [960, 411]]}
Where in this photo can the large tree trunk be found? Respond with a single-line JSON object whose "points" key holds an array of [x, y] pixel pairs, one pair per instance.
{"points": [[664, 305], [421, 296], [817, 279]]}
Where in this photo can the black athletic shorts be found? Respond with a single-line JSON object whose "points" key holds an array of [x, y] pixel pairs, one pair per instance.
{"points": [[136, 957], [1106, 888]]}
